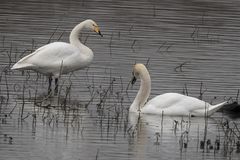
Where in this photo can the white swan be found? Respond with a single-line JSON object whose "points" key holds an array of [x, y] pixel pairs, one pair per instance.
{"points": [[168, 103], [59, 58]]}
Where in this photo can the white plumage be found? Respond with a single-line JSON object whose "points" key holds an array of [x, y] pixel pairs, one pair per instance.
{"points": [[168, 103], [59, 58], [56, 57]]}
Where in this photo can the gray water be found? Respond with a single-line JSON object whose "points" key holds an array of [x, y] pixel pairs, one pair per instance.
{"points": [[187, 45]]}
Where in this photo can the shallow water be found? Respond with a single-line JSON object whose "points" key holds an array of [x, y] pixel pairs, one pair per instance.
{"points": [[184, 43]]}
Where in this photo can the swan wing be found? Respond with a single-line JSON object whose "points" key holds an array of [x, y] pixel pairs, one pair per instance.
{"points": [[49, 58], [177, 100], [53, 52], [192, 104], [189, 106], [165, 100], [174, 104]]}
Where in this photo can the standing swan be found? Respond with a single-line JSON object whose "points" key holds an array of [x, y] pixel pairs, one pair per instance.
{"points": [[168, 103], [59, 58]]}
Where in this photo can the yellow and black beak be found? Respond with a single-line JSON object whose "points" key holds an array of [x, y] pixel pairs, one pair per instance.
{"points": [[97, 30]]}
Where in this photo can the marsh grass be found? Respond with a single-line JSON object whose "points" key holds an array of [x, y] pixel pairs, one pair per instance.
{"points": [[108, 96], [231, 136]]}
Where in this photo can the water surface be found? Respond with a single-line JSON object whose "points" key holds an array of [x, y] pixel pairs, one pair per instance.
{"points": [[188, 46]]}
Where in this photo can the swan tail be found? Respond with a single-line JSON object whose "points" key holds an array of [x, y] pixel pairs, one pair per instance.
{"points": [[21, 66], [216, 107], [23, 63]]}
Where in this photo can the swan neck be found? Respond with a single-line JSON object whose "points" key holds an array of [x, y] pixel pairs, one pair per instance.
{"points": [[74, 35], [143, 93]]}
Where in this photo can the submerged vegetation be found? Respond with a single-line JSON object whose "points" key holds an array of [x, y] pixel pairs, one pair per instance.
{"points": [[92, 109], [106, 103]]}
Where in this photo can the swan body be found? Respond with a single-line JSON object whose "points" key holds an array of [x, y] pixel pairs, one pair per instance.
{"points": [[168, 103], [59, 58], [56, 58]]}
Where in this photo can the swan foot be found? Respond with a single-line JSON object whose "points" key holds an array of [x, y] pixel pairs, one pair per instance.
{"points": [[49, 85], [49, 91], [56, 87]]}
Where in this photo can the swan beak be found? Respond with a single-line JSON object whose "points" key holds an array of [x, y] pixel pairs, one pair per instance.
{"points": [[133, 80], [97, 30], [100, 33]]}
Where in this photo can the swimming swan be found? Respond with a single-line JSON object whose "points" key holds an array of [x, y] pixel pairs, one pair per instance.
{"points": [[59, 58], [168, 103]]}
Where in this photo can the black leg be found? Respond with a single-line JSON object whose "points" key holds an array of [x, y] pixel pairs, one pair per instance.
{"points": [[56, 86], [49, 84]]}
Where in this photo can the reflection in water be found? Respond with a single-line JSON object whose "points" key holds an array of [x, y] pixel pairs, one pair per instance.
{"points": [[184, 136], [70, 131]]}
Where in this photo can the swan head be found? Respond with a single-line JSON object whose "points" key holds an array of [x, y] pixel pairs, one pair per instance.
{"points": [[138, 70], [90, 24], [141, 72]]}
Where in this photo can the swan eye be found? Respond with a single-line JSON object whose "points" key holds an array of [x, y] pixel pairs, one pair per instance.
{"points": [[136, 74]]}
